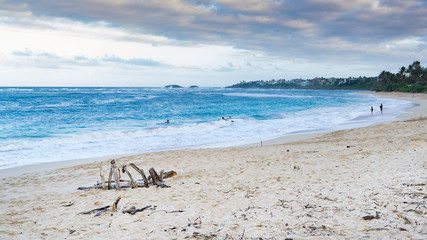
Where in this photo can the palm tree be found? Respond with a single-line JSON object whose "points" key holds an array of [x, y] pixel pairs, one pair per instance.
{"points": [[402, 73], [417, 71], [409, 71]]}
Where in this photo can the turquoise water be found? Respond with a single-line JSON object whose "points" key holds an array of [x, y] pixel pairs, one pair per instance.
{"points": [[55, 124]]}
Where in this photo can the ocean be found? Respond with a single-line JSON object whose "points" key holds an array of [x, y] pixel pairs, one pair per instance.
{"points": [[55, 124]]}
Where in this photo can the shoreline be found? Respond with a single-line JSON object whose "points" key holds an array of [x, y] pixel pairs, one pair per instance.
{"points": [[420, 99], [358, 183]]}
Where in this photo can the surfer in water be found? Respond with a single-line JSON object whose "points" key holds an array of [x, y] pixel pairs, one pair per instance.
{"points": [[227, 119]]}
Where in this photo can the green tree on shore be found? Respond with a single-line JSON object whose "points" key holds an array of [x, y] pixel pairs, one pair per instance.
{"points": [[410, 79]]}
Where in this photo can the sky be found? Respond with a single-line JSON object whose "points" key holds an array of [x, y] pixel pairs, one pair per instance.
{"points": [[155, 43]]}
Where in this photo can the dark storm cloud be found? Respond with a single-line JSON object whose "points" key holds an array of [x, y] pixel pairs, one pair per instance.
{"points": [[283, 27]]}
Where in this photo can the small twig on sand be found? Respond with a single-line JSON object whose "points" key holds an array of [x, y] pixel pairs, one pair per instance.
{"points": [[96, 210], [134, 210]]}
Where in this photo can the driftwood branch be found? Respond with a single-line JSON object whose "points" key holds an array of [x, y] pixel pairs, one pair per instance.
{"points": [[140, 171], [156, 179], [110, 176], [132, 182], [96, 210], [68, 205], [102, 178], [134, 210], [161, 175], [115, 174], [169, 174], [114, 209]]}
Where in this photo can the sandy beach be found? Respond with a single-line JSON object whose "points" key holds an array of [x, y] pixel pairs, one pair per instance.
{"points": [[351, 184]]}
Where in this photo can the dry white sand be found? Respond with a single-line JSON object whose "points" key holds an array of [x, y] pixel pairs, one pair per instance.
{"points": [[320, 187]]}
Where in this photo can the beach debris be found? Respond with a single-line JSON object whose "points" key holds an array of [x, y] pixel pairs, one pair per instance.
{"points": [[157, 180], [370, 217], [132, 210], [101, 174], [140, 171], [132, 182], [197, 223], [173, 211], [169, 174], [68, 205], [99, 211], [115, 182], [96, 210], [114, 209], [116, 174]]}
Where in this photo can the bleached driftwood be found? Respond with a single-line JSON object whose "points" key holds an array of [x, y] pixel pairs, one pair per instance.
{"points": [[102, 179], [156, 178], [117, 183], [115, 174], [110, 176], [96, 210], [132, 210], [168, 174], [140, 171], [114, 209], [132, 182]]}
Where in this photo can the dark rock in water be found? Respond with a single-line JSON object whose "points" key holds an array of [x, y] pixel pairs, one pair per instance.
{"points": [[173, 86], [194, 86]]}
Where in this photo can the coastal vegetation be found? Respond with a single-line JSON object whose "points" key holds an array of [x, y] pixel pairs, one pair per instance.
{"points": [[409, 79]]}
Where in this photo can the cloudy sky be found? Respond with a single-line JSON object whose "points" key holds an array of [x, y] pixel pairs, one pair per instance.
{"points": [[206, 43]]}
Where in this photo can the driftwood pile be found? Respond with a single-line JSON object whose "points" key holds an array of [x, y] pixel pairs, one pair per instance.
{"points": [[153, 179]]}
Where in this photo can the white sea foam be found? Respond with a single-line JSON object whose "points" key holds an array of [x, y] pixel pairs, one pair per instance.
{"points": [[16, 89], [109, 101], [265, 95]]}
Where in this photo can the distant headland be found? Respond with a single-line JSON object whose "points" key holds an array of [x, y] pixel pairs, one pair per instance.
{"points": [[178, 86], [173, 86], [410, 79]]}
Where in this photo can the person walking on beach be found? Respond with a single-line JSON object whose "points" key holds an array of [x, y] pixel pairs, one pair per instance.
{"points": [[381, 107], [372, 110]]}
